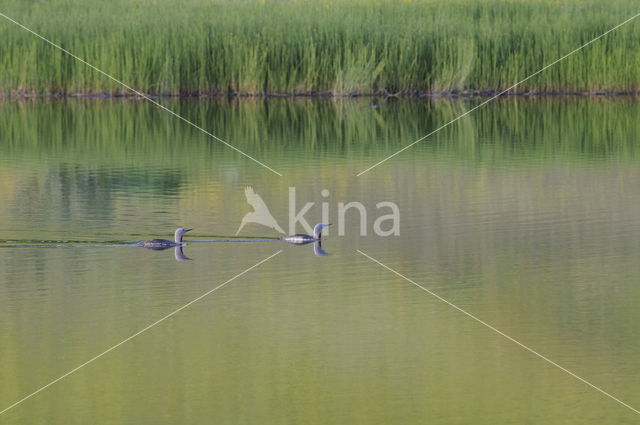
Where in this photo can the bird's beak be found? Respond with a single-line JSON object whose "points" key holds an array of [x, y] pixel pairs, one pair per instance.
{"points": [[188, 230]]}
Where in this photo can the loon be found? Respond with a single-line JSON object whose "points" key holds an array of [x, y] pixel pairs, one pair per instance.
{"points": [[303, 239], [159, 244]]}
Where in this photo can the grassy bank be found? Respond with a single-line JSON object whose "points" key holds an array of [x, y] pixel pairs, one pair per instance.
{"points": [[312, 46]]}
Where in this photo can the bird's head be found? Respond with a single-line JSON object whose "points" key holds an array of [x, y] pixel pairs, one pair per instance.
{"points": [[181, 231], [317, 230]]}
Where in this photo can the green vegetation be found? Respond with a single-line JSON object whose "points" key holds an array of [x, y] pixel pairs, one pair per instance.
{"points": [[284, 132], [318, 46]]}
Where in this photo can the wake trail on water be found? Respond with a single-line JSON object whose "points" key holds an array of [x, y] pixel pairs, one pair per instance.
{"points": [[237, 240], [30, 243]]}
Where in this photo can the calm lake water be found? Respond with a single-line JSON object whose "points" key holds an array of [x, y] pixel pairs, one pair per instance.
{"points": [[526, 214]]}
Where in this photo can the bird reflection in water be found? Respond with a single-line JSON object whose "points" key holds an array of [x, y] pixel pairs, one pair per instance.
{"points": [[317, 249], [180, 255]]}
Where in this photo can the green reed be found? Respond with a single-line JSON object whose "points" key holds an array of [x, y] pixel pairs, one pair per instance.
{"points": [[131, 133], [314, 46]]}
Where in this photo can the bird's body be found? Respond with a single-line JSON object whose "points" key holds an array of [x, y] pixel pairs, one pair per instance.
{"points": [[303, 238], [260, 213], [160, 244], [299, 239], [157, 244]]}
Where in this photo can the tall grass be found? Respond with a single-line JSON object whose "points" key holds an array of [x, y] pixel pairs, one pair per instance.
{"points": [[319, 46]]}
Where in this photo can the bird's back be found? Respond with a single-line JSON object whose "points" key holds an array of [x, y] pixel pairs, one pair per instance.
{"points": [[157, 244], [299, 239]]}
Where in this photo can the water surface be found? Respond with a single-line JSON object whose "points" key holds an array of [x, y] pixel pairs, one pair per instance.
{"points": [[526, 214]]}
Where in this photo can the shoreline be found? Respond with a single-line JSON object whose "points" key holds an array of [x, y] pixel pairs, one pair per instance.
{"points": [[413, 95]]}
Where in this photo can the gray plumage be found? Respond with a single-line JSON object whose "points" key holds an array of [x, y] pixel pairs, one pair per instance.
{"points": [[303, 238], [159, 244]]}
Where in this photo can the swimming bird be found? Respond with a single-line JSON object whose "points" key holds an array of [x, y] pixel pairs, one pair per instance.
{"points": [[260, 213], [303, 238], [159, 244]]}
